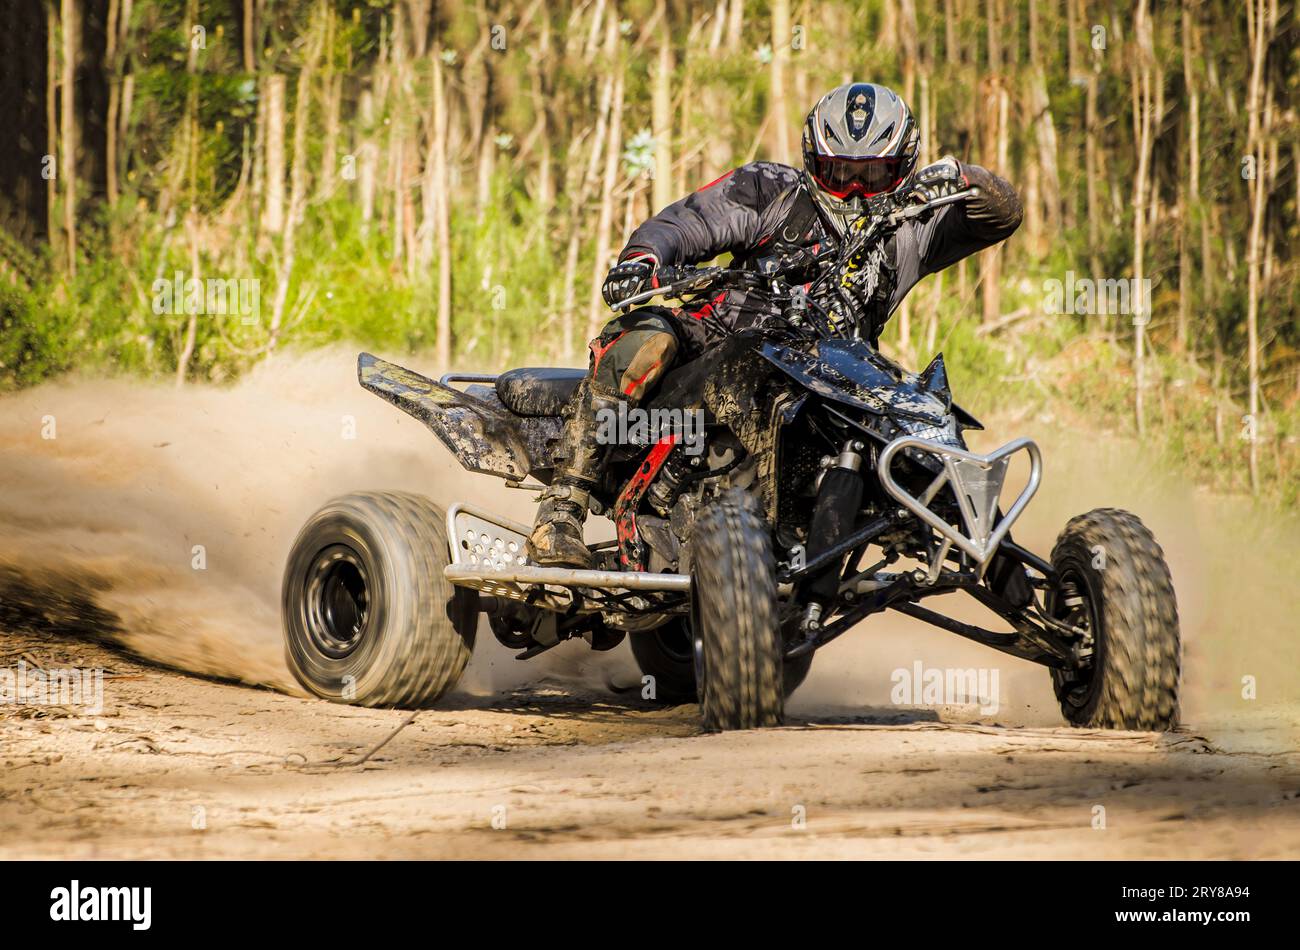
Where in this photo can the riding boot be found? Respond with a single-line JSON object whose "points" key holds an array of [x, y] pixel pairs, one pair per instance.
{"points": [[557, 540]]}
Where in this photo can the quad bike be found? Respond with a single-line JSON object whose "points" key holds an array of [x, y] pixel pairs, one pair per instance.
{"points": [[832, 485]]}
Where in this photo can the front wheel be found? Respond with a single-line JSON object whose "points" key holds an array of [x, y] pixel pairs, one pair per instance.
{"points": [[368, 617], [1113, 585], [734, 618]]}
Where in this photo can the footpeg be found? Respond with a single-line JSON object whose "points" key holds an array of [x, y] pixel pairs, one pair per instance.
{"points": [[487, 554], [480, 539]]}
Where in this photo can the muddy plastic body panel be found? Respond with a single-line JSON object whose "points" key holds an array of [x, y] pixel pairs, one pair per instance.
{"points": [[484, 436]]}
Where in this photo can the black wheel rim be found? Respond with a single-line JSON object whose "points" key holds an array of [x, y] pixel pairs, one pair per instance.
{"points": [[1075, 603], [676, 642], [337, 601]]}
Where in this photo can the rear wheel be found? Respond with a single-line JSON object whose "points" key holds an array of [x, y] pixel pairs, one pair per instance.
{"points": [[668, 654], [368, 617], [734, 618], [1114, 586]]}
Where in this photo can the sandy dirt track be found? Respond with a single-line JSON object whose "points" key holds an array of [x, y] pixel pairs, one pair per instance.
{"points": [[580, 773], [205, 747]]}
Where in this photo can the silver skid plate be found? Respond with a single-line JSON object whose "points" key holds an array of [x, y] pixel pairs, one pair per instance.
{"points": [[487, 554], [977, 483]]}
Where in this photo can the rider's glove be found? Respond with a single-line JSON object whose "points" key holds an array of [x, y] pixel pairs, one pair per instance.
{"points": [[939, 180], [627, 278]]}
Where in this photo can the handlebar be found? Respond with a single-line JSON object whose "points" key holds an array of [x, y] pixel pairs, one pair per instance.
{"points": [[920, 208], [674, 280]]}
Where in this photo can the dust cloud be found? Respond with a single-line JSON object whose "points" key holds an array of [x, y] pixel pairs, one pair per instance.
{"points": [[174, 509]]}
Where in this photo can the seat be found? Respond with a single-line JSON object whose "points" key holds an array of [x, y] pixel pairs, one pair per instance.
{"points": [[538, 390]]}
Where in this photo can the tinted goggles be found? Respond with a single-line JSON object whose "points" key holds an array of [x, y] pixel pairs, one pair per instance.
{"points": [[863, 177]]}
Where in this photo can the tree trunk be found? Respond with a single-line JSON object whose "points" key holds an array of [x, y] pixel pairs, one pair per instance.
{"points": [[778, 121], [1032, 200], [613, 149], [541, 103], [249, 44], [1045, 137], [1157, 83], [112, 70], [735, 24], [487, 151], [442, 185], [191, 213], [191, 320], [995, 140], [298, 175], [593, 35], [1071, 39], [367, 160], [568, 323], [1091, 171], [273, 196], [52, 122], [67, 164], [397, 142], [662, 112], [932, 318], [910, 51], [333, 84], [993, 35], [928, 146], [951, 53], [1142, 134], [1259, 47], [1191, 203]]}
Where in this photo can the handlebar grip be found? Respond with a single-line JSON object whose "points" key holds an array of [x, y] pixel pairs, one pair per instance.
{"points": [[671, 274], [670, 280]]}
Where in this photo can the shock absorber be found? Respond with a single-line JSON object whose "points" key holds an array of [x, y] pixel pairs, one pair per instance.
{"points": [[662, 494], [839, 496]]}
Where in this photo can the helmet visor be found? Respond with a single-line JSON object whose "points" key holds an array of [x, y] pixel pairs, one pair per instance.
{"points": [[863, 177]]}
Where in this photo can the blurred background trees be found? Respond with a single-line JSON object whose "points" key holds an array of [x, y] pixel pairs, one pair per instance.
{"points": [[456, 176]]}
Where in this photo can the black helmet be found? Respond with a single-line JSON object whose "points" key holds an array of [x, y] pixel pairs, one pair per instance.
{"points": [[859, 140]]}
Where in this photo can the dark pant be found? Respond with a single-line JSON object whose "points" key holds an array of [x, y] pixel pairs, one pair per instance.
{"points": [[635, 351]]}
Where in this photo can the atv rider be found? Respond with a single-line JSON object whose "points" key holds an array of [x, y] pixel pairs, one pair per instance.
{"points": [[859, 141]]}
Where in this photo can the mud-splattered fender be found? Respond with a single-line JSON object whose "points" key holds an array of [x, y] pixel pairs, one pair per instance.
{"points": [[484, 438]]}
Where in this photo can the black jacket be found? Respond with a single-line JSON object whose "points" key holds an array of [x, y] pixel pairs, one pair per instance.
{"points": [[764, 208]]}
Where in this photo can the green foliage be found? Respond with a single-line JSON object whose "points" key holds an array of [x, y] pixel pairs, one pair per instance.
{"points": [[34, 342]]}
